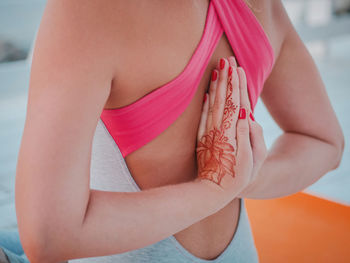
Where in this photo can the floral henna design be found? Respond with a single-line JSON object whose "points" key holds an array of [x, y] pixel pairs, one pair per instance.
{"points": [[214, 153], [216, 156], [230, 108]]}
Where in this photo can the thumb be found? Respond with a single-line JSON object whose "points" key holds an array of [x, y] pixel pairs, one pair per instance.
{"points": [[257, 139], [204, 116]]}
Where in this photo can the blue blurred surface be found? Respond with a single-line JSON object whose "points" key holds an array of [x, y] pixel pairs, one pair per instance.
{"points": [[19, 20]]}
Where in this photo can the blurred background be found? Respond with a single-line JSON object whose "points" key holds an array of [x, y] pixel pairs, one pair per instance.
{"points": [[322, 209]]}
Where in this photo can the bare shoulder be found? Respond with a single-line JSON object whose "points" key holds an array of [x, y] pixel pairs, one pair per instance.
{"points": [[274, 19], [282, 24], [280, 16], [72, 57], [90, 26]]}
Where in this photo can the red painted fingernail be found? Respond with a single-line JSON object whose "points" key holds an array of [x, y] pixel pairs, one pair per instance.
{"points": [[205, 97], [222, 63], [214, 75], [241, 113], [251, 116], [230, 71]]}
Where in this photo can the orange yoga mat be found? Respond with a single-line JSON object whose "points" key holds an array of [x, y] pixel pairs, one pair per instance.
{"points": [[300, 228]]}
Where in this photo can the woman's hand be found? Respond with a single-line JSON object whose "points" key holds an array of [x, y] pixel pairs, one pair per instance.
{"points": [[230, 146], [259, 153]]}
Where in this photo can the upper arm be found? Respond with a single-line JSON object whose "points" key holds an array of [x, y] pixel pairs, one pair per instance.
{"points": [[70, 82], [294, 93]]}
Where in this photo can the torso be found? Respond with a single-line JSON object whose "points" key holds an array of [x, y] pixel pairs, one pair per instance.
{"points": [[159, 38]]}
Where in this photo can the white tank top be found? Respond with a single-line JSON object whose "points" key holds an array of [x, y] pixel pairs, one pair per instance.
{"points": [[109, 172]]}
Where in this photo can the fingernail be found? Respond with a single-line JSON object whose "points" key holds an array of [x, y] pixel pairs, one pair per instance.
{"points": [[241, 113], [222, 63], [230, 71], [205, 97], [214, 75], [251, 116]]}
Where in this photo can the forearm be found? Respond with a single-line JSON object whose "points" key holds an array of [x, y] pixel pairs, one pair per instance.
{"points": [[294, 162], [117, 222]]}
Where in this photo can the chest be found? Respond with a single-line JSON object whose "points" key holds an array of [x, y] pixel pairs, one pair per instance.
{"points": [[156, 51], [158, 47]]}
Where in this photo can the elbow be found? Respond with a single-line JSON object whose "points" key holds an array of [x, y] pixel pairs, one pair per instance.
{"points": [[40, 258], [33, 229], [45, 244], [35, 248], [39, 250], [46, 231], [35, 256], [40, 240]]}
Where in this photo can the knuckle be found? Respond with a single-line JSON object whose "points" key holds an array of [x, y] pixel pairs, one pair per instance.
{"points": [[222, 82], [215, 107], [242, 129], [244, 151], [212, 89]]}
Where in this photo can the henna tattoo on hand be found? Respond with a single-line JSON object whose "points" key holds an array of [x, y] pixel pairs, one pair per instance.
{"points": [[230, 108], [215, 155]]}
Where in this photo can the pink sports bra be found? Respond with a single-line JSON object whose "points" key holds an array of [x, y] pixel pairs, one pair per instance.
{"points": [[136, 124]]}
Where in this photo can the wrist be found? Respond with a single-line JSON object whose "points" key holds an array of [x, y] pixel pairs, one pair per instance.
{"points": [[252, 188], [213, 192]]}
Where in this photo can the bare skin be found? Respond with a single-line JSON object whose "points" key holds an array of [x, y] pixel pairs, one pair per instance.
{"points": [[230, 144], [214, 151], [209, 237], [135, 62], [149, 164]]}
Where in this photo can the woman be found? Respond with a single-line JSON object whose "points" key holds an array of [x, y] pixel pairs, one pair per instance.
{"points": [[89, 64]]}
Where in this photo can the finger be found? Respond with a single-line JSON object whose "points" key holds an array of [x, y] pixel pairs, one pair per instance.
{"points": [[244, 97], [244, 106], [220, 97], [231, 109], [257, 142], [233, 89], [232, 61], [204, 117], [211, 98], [259, 150], [255, 133], [243, 137]]}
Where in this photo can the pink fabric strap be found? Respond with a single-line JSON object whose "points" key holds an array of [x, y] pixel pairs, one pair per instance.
{"points": [[136, 124]]}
